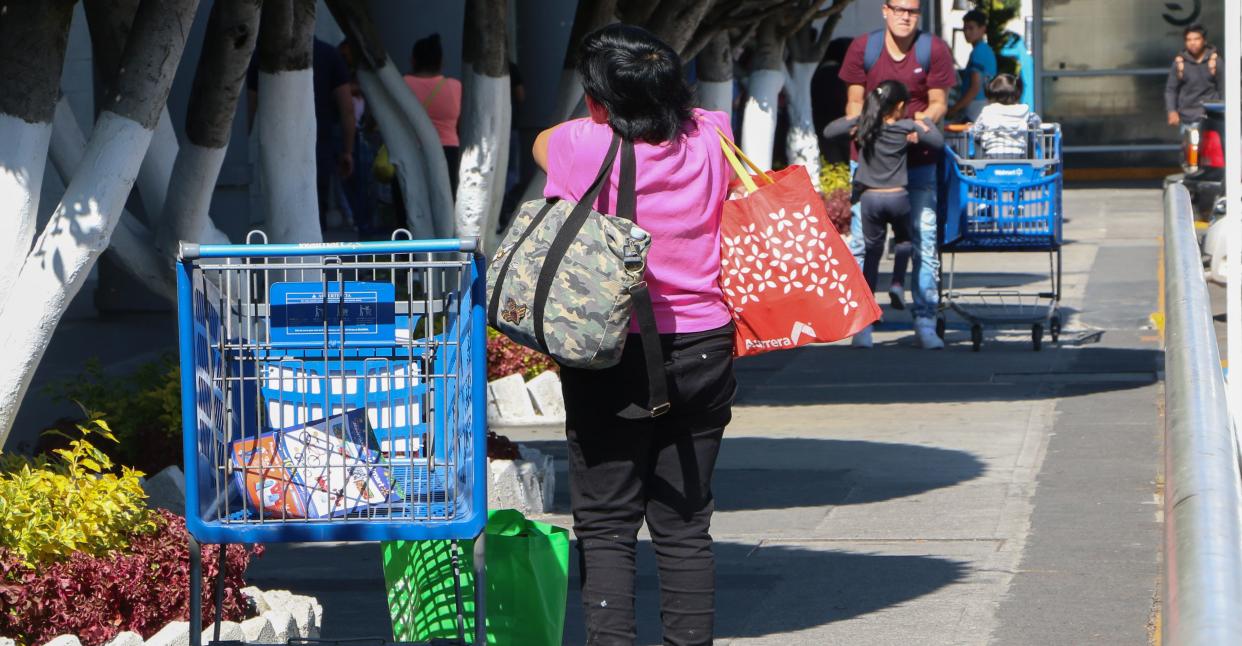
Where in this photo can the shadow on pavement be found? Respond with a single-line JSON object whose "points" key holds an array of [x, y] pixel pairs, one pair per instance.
{"points": [[895, 373], [755, 473], [761, 590], [774, 590]]}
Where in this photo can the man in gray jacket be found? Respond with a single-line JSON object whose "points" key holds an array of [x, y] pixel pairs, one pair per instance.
{"points": [[1193, 79]]}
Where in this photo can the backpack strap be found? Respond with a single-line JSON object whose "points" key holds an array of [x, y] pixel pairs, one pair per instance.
{"points": [[875, 47], [1181, 66], [923, 50]]}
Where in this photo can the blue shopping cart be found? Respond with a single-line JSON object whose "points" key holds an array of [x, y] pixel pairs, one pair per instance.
{"points": [[333, 392], [1002, 205]]}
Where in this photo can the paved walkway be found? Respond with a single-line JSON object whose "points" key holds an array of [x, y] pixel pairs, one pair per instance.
{"points": [[896, 496]]}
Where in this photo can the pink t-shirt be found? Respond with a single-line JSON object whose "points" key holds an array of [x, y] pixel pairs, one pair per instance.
{"points": [[681, 186], [444, 108]]}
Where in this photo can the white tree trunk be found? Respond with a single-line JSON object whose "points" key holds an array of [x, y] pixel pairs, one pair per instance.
{"points": [[194, 175], [717, 96], [63, 255], [801, 143], [132, 244], [22, 158], [759, 115], [439, 191], [156, 170], [405, 152], [484, 155], [286, 122]]}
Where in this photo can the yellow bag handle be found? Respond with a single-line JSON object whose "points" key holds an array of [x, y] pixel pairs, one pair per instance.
{"points": [[733, 153]]}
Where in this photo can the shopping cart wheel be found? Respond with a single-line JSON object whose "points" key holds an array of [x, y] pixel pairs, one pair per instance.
{"points": [[1054, 328], [976, 337], [1037, 337], [940, 327]]}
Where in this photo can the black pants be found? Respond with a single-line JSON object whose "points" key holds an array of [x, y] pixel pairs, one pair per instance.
{"points": [[622, 471], [879, 211]]}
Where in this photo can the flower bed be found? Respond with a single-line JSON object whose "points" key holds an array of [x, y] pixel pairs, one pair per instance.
{"points": [[81, 554]]}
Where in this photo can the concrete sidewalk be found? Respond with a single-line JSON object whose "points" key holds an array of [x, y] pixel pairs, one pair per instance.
{"points": [[897, 496]]}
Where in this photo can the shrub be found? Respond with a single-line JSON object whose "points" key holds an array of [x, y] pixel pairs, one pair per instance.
{"points": [[145, 408], [835, 185], [837, 203], [52, 509], [96, 597], [833, 177], [504, 357]]}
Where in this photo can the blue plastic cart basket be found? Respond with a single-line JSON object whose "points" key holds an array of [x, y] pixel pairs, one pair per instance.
{"points": [[333, 392], [1002, 204]]}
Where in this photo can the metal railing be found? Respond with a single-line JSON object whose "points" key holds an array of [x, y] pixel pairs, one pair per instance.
{"points": [[1202, 582]]}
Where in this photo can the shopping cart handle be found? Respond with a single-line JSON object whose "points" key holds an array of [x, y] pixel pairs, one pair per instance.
{"points": [[195, 251]]}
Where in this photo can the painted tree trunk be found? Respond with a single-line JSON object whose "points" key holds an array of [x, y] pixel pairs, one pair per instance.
{"points": [[413, 145], [286, 121], [485, 121], [801, 142], [29, 85], [405, 152], [156, 171], [767, 77], [759, 115], [227, 48], [110, 23], [132, 246], [715, 67], [82, 224]]}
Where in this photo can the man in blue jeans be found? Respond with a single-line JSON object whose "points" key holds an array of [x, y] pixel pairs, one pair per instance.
{"points": [[928, 82]]}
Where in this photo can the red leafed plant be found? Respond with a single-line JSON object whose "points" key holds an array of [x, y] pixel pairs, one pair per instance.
{"points": [[837, 202], [504, 357], [139, 589]]}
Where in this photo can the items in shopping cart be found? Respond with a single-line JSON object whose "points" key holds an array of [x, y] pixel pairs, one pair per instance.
{"points": [[321, 469]]}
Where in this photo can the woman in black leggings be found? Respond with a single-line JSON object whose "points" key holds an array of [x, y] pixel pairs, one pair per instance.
{"points": [[883, 137], [624, 470]]}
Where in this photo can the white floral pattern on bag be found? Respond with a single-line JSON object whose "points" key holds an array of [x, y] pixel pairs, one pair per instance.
{"points": [[792, 253]]}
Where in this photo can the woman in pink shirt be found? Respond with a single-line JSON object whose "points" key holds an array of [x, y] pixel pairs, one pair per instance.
{"points": [[440, 96], [624, 470]]}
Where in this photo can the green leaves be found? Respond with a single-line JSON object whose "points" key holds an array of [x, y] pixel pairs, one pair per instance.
{"points": [[51, 509]]}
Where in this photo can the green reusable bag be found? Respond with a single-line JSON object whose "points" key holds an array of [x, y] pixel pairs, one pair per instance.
{"points": [[527, 577]]}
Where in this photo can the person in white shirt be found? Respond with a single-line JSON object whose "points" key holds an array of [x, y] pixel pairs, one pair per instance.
{"points": [[1003, 125]]}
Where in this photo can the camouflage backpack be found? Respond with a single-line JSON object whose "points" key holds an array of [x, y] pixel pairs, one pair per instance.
{"points": [[566, 280]]}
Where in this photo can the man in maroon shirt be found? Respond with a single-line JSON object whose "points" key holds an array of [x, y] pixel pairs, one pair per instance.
{"points": [[898, 61]]}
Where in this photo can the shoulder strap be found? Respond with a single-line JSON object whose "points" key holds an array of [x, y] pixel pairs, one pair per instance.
{"points": [[875, 45], [1212, 64], [434, 91], [1181, 66], [567, 234], [923, 50]]}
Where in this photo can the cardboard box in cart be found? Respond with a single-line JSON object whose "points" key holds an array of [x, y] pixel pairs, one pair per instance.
{"points": [[321, 469]]}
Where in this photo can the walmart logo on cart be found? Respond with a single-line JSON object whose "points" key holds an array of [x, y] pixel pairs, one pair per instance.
{"points": [[799, 328]]}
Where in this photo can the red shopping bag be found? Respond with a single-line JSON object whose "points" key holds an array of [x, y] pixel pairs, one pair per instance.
{"points": [[787, 276]]}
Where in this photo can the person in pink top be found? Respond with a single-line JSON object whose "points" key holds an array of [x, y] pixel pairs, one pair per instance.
{"points": [[440, 96], [622, 471]]}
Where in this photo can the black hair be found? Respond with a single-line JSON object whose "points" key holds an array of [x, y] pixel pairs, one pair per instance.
{"points": [[638, 79], [427, 54], [1195, 28], [1005, 89], [879, 103], [976, 16]]}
